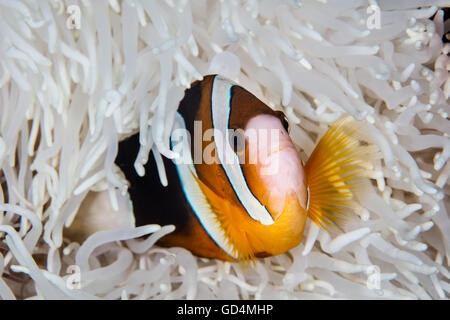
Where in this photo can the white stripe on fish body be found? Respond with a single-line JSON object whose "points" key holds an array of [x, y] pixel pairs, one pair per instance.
{"points": [[221, 109], [194, 195]]}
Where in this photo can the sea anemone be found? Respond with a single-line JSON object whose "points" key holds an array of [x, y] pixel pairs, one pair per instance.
{"points": [[76, 77]]}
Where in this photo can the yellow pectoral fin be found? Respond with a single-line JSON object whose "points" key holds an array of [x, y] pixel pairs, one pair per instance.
{"points": [[335, 167], [232, 220]]}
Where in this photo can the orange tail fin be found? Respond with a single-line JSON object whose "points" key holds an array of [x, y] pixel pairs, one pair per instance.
{"points": [[333, 170]]}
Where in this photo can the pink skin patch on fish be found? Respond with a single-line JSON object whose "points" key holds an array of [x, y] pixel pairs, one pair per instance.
{"points": [[278, 165]]}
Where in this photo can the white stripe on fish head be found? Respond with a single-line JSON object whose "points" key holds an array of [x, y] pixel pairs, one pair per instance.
{"points": [[221, 109]]}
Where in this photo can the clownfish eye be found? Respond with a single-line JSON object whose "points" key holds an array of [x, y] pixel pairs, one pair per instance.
{"points": [[237, 141]]}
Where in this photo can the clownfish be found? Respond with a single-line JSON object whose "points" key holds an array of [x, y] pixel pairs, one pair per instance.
{"points": [[248, 199]]}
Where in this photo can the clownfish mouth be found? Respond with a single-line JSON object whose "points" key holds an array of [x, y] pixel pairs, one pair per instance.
{"points": [[274, 169]]}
